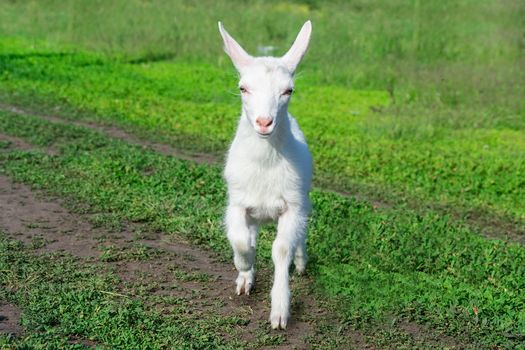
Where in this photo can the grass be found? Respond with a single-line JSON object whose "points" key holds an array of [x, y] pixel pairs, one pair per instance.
{"points": [[405, 46], [406, 108], [414, 106], [354, 149], [378, 263]]}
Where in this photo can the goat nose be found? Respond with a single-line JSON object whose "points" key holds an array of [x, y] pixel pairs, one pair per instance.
{"points": [[264, 122]]}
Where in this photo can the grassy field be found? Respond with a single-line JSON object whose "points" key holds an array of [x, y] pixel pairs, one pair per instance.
{"points": [[380, 262], [414, 113]]}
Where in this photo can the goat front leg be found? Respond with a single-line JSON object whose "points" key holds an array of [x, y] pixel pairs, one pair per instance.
{"points": [[291, 231], [242, 234]]}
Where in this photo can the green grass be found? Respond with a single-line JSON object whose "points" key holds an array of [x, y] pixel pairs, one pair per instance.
{"points": [[378, 264], [415, 100], [416, 104], [354, 149], [445, 52]]}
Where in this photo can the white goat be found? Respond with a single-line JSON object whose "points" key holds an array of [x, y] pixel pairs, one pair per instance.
{"points": [[268, 170]]}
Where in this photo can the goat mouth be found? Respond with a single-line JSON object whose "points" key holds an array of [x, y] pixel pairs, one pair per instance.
{"points": [[264, 135]]}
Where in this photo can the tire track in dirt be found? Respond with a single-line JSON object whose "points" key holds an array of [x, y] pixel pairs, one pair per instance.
{"points": [[118, 133], [14, 143], [218, 289]]}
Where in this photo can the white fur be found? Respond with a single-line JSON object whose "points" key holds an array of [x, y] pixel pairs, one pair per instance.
{"points": [[268, 170]]}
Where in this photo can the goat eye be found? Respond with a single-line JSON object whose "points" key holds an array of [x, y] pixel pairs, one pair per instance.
{"points": [[288, 92], [243, 89]]}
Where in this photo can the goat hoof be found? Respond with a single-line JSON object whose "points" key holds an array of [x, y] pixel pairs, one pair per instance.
{"points": [[300, 270], [279, 316], [245, 282], [278, 321]]}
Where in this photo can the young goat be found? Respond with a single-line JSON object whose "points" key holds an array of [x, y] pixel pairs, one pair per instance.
{"points": [[268, 170]]}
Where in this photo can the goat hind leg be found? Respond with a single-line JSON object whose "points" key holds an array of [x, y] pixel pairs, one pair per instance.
{"points": [[300, 256]]}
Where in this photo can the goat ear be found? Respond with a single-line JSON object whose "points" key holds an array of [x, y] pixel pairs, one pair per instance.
{"points": [[237, 54], [295, 54]]}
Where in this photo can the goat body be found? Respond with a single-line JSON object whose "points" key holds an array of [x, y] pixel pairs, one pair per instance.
{"points": [[266, 177]]}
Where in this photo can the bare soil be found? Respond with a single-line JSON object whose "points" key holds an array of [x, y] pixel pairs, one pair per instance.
{"points": [[427, 336], [10, 320], [40, 222]]}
